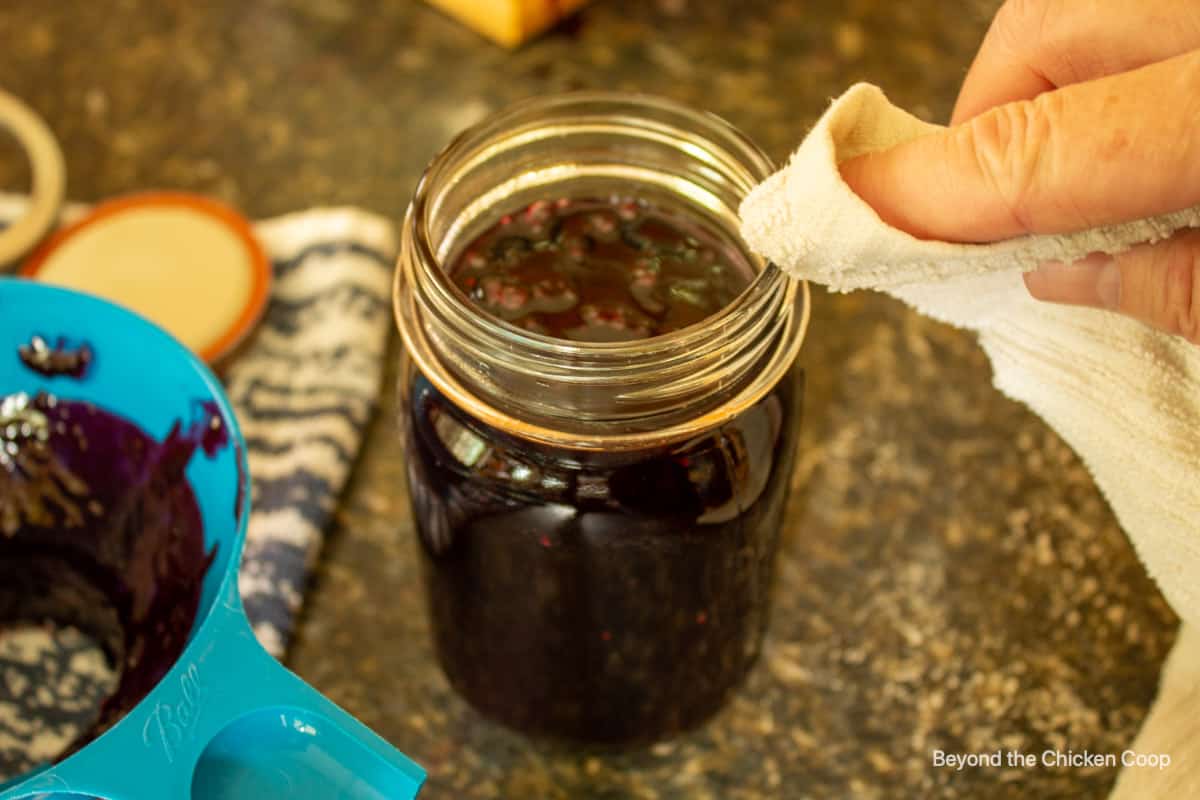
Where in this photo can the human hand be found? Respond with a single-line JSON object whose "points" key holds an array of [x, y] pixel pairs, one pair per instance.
{"points": [[1074, 114]]}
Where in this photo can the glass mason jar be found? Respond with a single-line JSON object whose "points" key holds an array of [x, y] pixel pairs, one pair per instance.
{"points": [[597, 520]]}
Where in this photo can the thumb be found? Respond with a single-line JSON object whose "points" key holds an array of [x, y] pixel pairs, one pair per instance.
{"points": [[1158, 284], [1096, 153]]}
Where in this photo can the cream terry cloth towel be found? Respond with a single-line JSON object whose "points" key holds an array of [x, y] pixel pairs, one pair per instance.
{"points": [[1125, 397]]}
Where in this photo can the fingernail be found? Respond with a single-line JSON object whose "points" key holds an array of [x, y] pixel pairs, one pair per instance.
{"points": [[1093, 281]]}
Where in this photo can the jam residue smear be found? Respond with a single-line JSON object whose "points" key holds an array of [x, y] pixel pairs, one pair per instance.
{"points": [[100, 530], [58, 359], [599, 270]]}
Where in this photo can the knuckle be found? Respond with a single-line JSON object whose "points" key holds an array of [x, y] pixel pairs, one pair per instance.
{"points": [[1043, 30], [1007, 147], [1020, 23]]}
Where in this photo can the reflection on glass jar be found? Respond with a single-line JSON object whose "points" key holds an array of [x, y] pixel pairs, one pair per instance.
{"points": [[600, 414]]}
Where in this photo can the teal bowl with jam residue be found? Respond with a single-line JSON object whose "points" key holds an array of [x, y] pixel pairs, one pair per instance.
{"points": [[225, 720]]}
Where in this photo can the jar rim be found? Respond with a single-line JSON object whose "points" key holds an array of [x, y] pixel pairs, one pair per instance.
{"points": [[768, 287]]}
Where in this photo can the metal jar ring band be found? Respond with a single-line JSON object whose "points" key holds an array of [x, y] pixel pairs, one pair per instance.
{"points": [[49, 178]]}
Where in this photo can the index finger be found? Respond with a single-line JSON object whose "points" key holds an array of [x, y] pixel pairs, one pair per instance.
{"points": [[1034, 46]]}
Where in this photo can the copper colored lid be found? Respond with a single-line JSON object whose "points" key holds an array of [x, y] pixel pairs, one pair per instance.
{"points": [[185, 262]]}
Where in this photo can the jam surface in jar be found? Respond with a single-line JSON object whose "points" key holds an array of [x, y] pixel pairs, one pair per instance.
{"points": [[599, 270], [603, 597]]}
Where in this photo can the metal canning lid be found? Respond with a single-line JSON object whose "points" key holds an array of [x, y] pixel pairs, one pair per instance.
{"points": [[185, 262]]}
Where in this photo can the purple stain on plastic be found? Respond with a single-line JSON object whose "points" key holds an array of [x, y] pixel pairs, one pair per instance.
{"points": [[211, 428], [100, 529]]}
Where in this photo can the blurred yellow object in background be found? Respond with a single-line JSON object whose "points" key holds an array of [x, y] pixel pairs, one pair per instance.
{"points": [[509, 22]]}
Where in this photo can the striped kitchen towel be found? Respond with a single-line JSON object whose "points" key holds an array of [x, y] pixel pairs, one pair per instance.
{"points": [[304, 387]]}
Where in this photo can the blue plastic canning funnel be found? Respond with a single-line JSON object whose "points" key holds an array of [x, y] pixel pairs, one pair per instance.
{"points": [[227, 721]]}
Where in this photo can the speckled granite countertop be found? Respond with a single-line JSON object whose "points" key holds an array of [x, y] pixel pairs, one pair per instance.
{"points": [[950, 577]]}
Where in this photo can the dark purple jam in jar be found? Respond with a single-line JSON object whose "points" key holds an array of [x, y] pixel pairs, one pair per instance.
{"points": [[599, 271], [607, 597], [600, 415]]}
